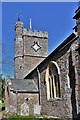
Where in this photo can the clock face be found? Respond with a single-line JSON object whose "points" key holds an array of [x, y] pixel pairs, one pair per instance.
{"points": [[35, 46]]}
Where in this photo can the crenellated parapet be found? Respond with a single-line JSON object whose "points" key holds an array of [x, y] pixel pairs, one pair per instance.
{"points": [[35, 33]]}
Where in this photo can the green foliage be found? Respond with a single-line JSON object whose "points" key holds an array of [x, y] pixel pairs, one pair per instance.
{"points": [[18, 117], [2, 91], [2, 86], [2, 105]]}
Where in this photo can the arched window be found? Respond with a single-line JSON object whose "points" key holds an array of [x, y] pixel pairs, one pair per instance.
{"points": [[52, 80]]}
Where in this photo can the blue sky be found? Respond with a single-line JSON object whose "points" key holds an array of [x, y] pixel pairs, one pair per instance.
{"points": [[54, 17]]}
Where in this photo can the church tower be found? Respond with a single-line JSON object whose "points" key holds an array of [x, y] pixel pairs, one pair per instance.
{"points": [[31, 47]]}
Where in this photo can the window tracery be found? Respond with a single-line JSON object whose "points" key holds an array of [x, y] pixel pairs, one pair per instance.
{"points": [[52, 80]]}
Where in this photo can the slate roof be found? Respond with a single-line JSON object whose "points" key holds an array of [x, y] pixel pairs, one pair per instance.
{"points": [[24, 85], [77, 13]]}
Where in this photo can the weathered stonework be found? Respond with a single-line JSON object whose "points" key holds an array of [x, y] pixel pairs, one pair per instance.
{"points": [[60, 107], [17, 100], [26, 58], [56, 76]]}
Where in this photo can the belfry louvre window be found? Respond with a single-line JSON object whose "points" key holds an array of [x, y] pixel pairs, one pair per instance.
{"points": [[52, 81]]}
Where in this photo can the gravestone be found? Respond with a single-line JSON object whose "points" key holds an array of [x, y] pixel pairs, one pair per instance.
{"points": [[37, 109], [25, 109]]}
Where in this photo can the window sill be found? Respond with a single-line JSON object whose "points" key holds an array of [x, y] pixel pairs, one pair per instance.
{"points": [[54, 99]]}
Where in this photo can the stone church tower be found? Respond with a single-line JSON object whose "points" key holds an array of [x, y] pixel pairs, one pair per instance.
{"points": [[47, 85], [31, 47]]}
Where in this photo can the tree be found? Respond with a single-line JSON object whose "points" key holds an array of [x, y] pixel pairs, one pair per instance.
{"points": [[2, 86], [2, 90]]}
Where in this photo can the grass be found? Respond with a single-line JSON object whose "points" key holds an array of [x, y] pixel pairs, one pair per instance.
{"points": [[17, 117], [2, 105]]}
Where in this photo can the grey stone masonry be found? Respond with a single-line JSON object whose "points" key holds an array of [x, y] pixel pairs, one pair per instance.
{"points": [[19, 28], [35, 33], [31, 48], [66, 58], [56, 78], [76, 58], [35, 43]]}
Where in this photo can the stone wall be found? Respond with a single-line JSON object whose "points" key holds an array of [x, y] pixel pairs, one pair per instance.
{"points": [[57, 107], [67, 58], [26, 58], [64, 104], [30, 63], [23, 103], [42, 42], [78, 64], [60, 107]]}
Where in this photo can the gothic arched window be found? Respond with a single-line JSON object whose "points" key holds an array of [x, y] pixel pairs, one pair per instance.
{"points": [[52, 80]]}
